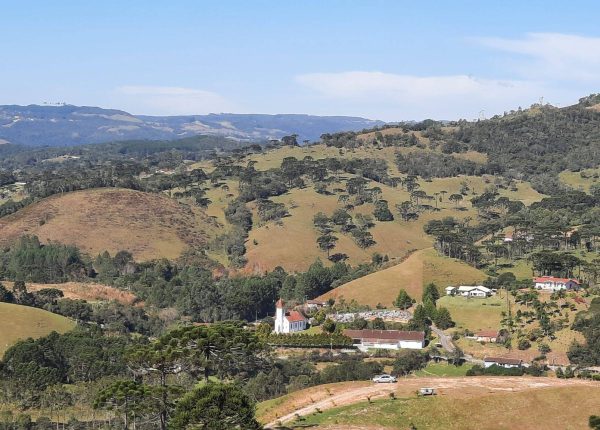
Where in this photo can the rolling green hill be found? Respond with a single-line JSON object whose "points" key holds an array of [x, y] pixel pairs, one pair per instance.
{"points": [[22, 322]]}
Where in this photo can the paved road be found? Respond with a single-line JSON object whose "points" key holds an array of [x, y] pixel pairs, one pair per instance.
{"points": [[444, 339], [474, 386]]}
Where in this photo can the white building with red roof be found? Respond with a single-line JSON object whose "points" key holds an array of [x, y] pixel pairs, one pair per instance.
{"points": [[386, 339], [551, 283], [288, 321]]}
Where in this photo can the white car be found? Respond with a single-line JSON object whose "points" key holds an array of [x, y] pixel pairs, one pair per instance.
{"points": [[382, 379]]}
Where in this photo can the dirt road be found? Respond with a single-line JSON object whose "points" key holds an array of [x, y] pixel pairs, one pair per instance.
{"points": [[356, 392], [444, 339]]}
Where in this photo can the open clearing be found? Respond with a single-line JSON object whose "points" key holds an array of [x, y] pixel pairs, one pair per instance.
{"points": [[577, 181], [421, 268], [90, 292], [22, 322], [147, 225], [461, 403], [475, 314]]}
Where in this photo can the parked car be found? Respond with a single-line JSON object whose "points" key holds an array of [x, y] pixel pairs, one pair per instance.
{"points": [[426, 392], [381, 379]]}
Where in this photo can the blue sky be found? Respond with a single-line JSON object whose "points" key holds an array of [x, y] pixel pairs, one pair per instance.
{"points": [[390, 60]]}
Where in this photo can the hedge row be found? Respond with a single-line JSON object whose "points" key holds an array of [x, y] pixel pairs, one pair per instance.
{"points": [[303, 340]]}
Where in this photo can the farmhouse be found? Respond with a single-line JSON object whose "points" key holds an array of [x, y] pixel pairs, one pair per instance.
{"points": [[551, 283], [469, 291], [386, 339], [486, 336], [508, 363], [288, 321], [312, 305]]}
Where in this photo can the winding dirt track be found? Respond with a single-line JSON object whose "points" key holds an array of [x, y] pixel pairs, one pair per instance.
{"points": [[458, 387]]}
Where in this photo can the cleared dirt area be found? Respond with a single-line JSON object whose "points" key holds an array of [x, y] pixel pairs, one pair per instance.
{"points": [[147, 225], [86, 291], [309, 401]]}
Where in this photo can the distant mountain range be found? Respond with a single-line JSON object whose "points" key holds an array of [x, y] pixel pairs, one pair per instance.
{"points": [[68, 125]]}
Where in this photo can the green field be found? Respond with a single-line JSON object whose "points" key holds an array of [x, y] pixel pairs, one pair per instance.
{"points": [[443, 369], [577, 181], [532, 409], [474, 314], [22, 322]]}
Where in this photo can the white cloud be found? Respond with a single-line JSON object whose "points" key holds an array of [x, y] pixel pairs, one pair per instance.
{"points": [[553, 55], [393, 96], [157, 100]]}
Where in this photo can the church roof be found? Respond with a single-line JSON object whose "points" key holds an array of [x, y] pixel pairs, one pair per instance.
{"points": [[294, 316]]}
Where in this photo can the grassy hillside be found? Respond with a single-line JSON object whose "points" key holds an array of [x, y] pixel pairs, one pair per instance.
{"points": [[417, 270], [21, 322], [580, 180], [291, 243], [531, 409], [148, 225]]}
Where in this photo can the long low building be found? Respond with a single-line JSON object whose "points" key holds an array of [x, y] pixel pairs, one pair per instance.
{"points": [[505, 362], [386, 339], [470, 291], [552, 283]]}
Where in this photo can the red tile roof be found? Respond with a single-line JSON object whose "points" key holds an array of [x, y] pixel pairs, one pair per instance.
{"points": [[553, 279], [487, 333], [294, 316], [383, 335]]}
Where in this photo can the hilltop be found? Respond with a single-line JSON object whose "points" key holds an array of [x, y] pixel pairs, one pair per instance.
{"points": [[145, 224]]}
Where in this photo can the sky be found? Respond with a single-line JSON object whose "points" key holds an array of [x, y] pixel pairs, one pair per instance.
{"points": [[388, 60]]}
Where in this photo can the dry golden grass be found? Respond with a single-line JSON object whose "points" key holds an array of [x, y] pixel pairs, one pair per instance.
{"points": [[148, 225], [553, 408], [460, 403], [292, 242], [21, 322], [421, 268], [90, 292]]}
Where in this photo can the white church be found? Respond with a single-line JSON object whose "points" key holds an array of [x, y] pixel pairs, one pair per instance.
{"points": [[288, 321]]}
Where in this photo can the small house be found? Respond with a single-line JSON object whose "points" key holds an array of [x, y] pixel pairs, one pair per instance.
{"points": [[470, 291], [386, 339], [507, 363], [313, 305], [551, 283], [488, 336]]}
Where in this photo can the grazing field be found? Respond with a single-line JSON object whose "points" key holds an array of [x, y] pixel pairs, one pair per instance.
{"points": [[443, 370], [530, 409], [577, 181], [461, 402], [148, 225], [420, 268], [486, 314], [21, 322], [291, 242], [473, 313]]}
